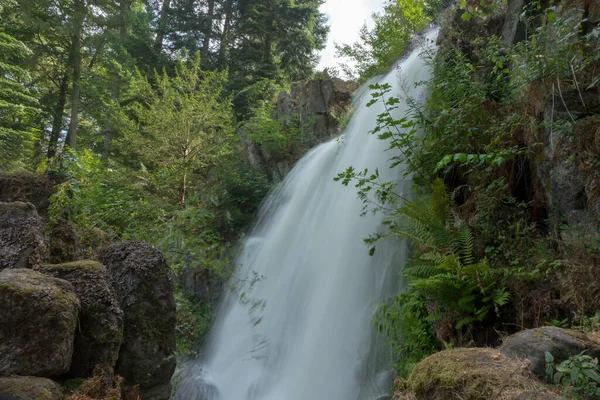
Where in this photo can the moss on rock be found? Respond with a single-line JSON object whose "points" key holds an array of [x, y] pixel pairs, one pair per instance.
{"points": [[30, 388], [472, 374], [22, 240], [38, 319], [144, 287], [100, 332]]}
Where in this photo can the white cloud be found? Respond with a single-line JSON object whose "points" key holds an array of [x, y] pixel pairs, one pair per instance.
{"points": [[346, 17]]}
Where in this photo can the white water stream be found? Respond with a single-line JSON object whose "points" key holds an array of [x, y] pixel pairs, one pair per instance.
{"points": [[296, 323]]}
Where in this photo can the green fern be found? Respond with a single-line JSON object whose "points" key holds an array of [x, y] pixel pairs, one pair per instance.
{"points": [[444, 268]]}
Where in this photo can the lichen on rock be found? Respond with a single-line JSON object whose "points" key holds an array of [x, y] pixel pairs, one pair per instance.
{"points": [[144, 287], [38, 319], [22, 240], [474, 374], [30, 388], [100, 329]]}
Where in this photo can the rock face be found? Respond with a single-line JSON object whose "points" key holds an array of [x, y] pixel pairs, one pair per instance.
{"points": [[476, 373], [29, 388], [22, 241], [37, 319], [32, 188], [531, 344], [201, 283], [100, 329], [317, 105], [143, 284]]}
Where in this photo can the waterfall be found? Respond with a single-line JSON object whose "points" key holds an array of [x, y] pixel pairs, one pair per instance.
{"points": [[296, 322]]}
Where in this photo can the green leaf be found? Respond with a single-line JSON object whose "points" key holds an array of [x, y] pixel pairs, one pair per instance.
{"points": [[466, 16], [592, 374], [549, 358]]}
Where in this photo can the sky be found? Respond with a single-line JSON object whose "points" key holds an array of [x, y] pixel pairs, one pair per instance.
{"points": [[345, 19]]}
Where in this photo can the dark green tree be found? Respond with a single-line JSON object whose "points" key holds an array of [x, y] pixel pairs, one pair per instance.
{"points": [[19, 105]]}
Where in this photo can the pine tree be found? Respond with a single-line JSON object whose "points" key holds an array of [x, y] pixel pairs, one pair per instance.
{"points": [[19, 106]]}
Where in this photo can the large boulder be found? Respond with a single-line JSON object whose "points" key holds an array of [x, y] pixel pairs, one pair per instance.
{"points": [[532, 345], [22, 240], [37, 319], [30, 388], [100, 329], [474, 374], [144, 287]]}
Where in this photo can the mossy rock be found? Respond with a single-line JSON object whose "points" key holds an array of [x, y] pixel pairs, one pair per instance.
{"points": [[37, 319], [144, 287], [472, 374], [100, 329], [532, 345], [22, 240], [30, 388]]}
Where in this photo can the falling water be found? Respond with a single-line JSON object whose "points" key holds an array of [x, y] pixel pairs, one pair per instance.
{"points": [[296, 323]]}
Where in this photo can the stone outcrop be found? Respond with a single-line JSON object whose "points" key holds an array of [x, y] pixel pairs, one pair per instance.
{"points": [[143, 284], [29, 388], [38, 318], [22, 240], [314, 108], [202, 283], [318, 103], [100, 329], [33, 188], [532, 344]]}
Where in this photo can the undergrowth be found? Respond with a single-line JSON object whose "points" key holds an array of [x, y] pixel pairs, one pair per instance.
{"points": [[485, 251]]}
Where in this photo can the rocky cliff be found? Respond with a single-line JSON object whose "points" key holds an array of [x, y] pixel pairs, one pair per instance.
{"points": [[109, 321], [314, 111]]}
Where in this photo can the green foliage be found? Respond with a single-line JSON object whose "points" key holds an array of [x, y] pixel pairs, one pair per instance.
{"points": [[110, 200], [378, 48], [194, 319], [445, 269], [408, 329], [445, 280], [276, 136], [580, 376], [19, 106], [186, 126]]}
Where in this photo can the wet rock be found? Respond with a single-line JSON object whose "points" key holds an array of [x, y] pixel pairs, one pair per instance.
{"points": [[202, 283], [100, 329], [513, 30], [63, 243], [532, 344], [475, 373], [22, 240], [29, 388], [143, 284], [37, 319], [573, 104]]}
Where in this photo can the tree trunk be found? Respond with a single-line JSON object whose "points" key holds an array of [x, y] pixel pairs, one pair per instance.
{"points": [[268, 40], [208, 31], [225, 34], [57, 115], [78, 17], [162, 25], [116, 83]]}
